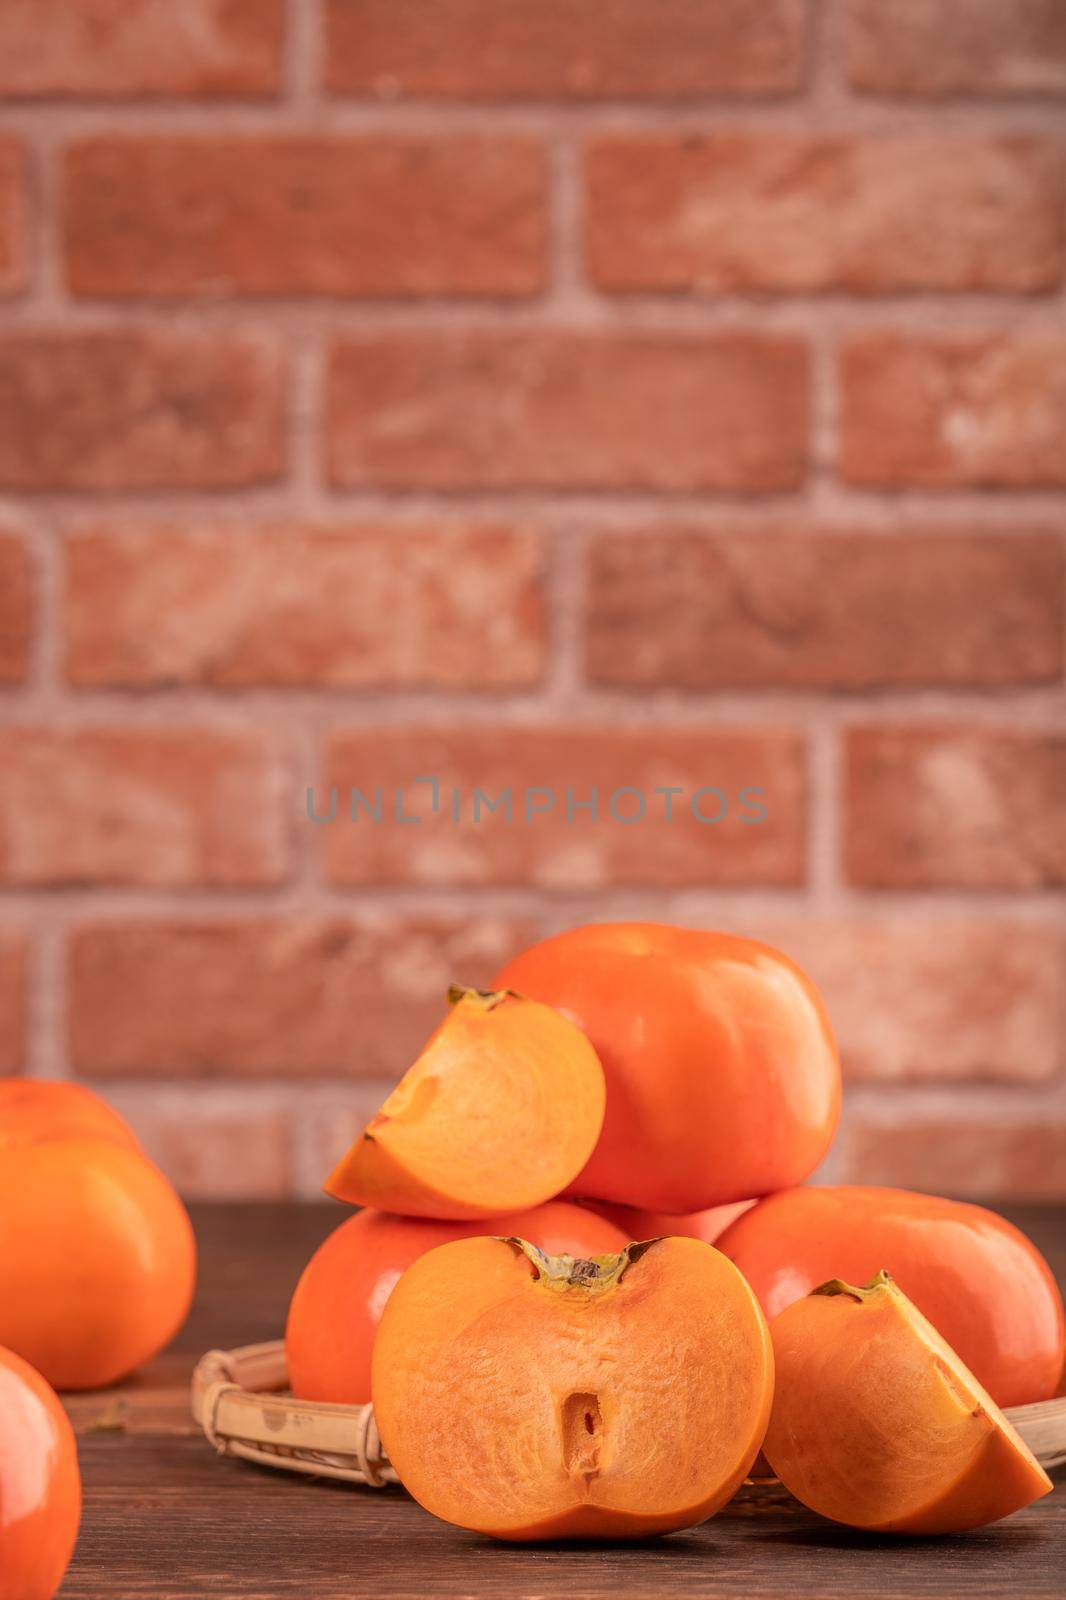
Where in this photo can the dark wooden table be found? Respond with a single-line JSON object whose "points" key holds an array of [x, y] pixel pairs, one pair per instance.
{"points": [[166, 1519]]}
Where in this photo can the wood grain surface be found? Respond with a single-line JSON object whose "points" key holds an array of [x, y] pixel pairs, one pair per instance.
{"points": [[166, 1519]]}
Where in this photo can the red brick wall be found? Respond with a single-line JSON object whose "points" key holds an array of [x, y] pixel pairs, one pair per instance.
{"points": [[531, 391]]}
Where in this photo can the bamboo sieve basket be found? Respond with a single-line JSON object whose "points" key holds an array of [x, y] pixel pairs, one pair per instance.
{"points": [[239, 1400]]}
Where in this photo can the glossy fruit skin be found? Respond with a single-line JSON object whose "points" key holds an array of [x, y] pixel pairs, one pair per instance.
{"points": [[335, 1311], [723, 1080], [707, 1225], [40, 1486], [37, 1110], [981, 1283], [97, 1255]]}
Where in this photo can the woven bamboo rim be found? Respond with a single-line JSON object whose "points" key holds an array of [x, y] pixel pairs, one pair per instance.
{"points": [[238, 1401]]}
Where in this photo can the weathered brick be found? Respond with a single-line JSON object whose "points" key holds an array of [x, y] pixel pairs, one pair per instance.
{"points": [[955, 411], [283, 998], [365, 607], [112, 805], [13, 979], [652, 411], [975, 807], [13, 218], [618, 49], [380, 215], [945, 47], [1000, 1151], [935, 999], [208, 1150], [102, 411], [133, 48], [540, 845], [16, 608], [811, 609], [793, 212]]}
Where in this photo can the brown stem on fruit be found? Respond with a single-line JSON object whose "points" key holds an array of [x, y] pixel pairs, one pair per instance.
{"points": [[593, 1274], [480, 999], [882, 1280]]}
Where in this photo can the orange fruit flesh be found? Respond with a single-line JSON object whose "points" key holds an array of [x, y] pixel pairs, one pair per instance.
{"points": [[878, 1424], [501, 1110], [518, 1402]]}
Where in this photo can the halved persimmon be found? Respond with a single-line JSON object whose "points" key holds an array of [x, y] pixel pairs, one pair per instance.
{"points": [[877, 1423], [536, 1397], [500, 1111]]}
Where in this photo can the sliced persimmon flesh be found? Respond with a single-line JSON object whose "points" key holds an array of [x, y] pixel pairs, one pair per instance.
{"points": [[499, 1113], [878, 1424], [534, 1397]]}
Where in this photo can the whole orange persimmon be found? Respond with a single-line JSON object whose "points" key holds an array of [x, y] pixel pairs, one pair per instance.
{"points": [[40, 1486], [982, 1284], [723, 1080], [335, 1311], [97, 1256]]}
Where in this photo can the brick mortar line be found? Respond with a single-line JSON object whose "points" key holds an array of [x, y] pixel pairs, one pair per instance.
{"points": [[46, 290], [45, 1044], [564, 609], [302, 56], [825, 832], [639, 710], [575, 308], [1025, 1098], [565, 199], [305, 413], [321, 1089], [292, 113], [68, 909], [838, 507]]}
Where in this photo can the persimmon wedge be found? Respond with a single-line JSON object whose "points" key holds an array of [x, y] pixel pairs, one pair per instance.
{"points": [[878, 1424], [500, 1111], [541, 1397]]}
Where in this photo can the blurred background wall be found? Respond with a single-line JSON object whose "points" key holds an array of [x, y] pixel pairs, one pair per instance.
{"points": [[530, 392]]}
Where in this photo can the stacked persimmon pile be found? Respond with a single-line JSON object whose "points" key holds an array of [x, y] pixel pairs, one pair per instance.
{"points": [[531, 1296], [536, 1373]]}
